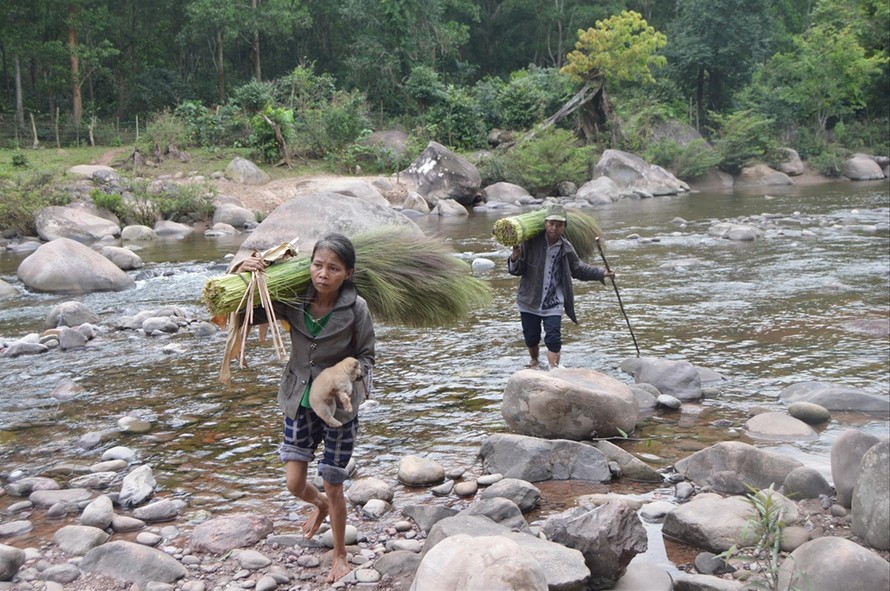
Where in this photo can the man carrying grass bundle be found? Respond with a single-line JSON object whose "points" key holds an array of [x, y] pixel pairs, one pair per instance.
{"points": [[546, 263]]}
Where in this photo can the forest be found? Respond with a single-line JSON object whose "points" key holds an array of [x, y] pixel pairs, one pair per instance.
{"points": [[687, 84]]}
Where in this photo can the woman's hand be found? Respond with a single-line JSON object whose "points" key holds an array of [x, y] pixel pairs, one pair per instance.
{"points": [[516, 252], [252, 264]]}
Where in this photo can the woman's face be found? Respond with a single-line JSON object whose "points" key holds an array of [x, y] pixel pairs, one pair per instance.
{"points": [[328, 272]]}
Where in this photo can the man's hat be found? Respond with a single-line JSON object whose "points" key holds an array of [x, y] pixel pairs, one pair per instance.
{"points": [[556, 213]]}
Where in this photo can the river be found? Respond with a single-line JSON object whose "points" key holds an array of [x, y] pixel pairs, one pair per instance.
{"points": [[808, 301]]}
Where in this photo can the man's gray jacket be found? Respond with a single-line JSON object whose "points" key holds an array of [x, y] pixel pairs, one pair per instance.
{"points": [[530, 267]]}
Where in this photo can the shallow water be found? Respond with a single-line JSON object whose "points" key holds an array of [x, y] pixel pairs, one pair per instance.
{"points": [[809, 301]]}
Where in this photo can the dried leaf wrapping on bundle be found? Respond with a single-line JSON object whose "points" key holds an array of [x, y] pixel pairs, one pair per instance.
{"points": [[581, 230], [406, 278]]}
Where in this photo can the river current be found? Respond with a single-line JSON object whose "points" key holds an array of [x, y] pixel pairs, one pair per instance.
{"points": [[809, 301]]}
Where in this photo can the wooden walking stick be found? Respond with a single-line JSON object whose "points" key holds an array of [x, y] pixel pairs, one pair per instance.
{"points": [[599, 247]]}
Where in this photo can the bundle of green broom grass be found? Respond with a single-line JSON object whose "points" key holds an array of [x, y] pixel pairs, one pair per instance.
{"points": [[581, 230], [406, 278]]}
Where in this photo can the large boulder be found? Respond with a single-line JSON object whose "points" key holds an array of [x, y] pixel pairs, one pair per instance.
{"points": [[438, 173], [67, 266], [504, 192], [778, 426], [790, 164], [72, 222], [227, 532], [832, 563], [534, 460], [761, 175], [354, 188], [600, 191], [393, 141], [71, 314], [132, 562], [862, 167], [306, 218], [871, 497], [679, 379], [608, 536], [479, 564], [835, 397], [730, 465], [568, 403], [630, 172], [234, 215], [846, 453], [716, 523], [245, 172], [563, 567]]}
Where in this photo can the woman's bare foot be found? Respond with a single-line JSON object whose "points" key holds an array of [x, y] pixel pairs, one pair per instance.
{"points": [[339, 569], [311, 525]]}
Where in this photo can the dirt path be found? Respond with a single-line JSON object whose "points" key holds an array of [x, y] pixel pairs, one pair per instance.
{"points": [[108, 157]]}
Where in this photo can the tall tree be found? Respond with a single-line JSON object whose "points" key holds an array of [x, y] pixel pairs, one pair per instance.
{"points": [[822, 78], [89, 49], [390, 37], [619, 49], [216, 22], [273, 20], [714, 45], [16, 42], [515, 33]]}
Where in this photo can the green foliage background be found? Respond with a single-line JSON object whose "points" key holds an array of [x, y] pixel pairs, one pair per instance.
{"points": [[746, 75]]}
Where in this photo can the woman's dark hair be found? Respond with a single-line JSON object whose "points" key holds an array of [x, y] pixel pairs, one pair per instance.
{"points": [[340, 245]]}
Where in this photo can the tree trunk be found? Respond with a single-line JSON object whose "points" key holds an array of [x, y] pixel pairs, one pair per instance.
{"points": [[279, 139], [76, 101], [19, 103], [582, 96], [699, 98], [220, 71], [257, 71]]}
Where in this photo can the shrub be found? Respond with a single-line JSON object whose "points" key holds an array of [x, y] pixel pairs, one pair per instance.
{"points": [[254, 96], [19, 160], [372, 158], [485, 93], [493, 167], [552, 157], [23, 199], [109, 201], [187, 203], [262, 137], [179, 203], [531, 96], [327, 130], [695, 159], [742, 137], [303, 89], [458, 120], [425, 88], [163, 130], [829, 162], [686, 162]]}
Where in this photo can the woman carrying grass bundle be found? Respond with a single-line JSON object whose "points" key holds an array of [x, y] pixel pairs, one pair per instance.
{"points": [[330, 323], [546, 263]]}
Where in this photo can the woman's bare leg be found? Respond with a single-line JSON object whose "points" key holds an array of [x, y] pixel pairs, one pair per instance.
{"points": [[337, 507], [295, 477]]}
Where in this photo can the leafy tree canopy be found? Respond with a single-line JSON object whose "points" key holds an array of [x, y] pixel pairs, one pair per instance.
{"points": [[621, 48]]}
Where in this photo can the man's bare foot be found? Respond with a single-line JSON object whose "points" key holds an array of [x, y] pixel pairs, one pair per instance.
{"points": [[311, 525], [339, 569]]}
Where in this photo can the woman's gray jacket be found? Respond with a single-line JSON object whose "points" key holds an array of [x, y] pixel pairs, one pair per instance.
{"points": [[530, 267], [349, 332]]}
